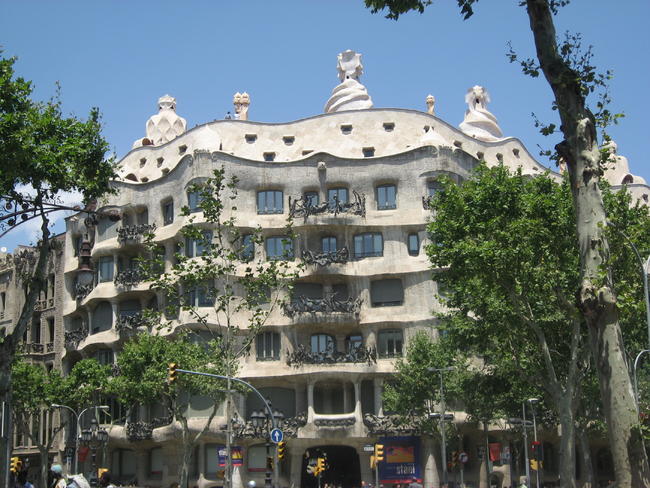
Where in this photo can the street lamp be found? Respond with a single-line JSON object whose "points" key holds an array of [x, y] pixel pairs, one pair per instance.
{"points": [[525, 424], [532, 402], [442, 416], [261, 421], [77, 427], [94, 437]]}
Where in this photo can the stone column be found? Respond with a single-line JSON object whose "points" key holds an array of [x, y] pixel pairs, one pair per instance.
{"points": [[430, 463], [115, 309], [357, 401], [378, 384], [237, 481], [346, 398], [310, 403], [296, 467]]}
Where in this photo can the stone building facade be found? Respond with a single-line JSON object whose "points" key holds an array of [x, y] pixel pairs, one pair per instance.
{"points": [[366, 175]]}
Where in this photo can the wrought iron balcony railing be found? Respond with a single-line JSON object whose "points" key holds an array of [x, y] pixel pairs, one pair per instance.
{"points": [[304, 206], [340, 256], [82, 291], [142, 431], [130, 323], [335, 422], [128, 277], [134, 232], [391, 424], [329, 304], [302, 355], [426, 203], [74, 337], [253, 430]]}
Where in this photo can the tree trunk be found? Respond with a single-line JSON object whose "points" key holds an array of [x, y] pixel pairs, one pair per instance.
{"points": [[484, 470], [597, 297], [567, 443], [587, 472], [45, 460]]}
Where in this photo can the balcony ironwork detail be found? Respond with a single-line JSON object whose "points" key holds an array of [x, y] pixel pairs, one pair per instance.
{"points": [[74, 337], [34, 348], [128, 277], [142, 431], [134, 232], [249, 430], [427, 203], [303, 206], [345, 422], [359, 354], [82, 291], [130, 323], [391, 424], [340, 256], [329, 304], [49, 347]]}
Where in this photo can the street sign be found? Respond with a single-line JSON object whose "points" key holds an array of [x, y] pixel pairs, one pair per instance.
{"points": [[368, 448], [277, 435], [463, 457]]}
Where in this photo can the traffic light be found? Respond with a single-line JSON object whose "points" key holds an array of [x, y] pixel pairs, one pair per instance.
{"points": [[536, 455], [320, 465], [372, 461], [282, 447], [454, 458], [379, 452], [16, 465], [172, 374], [269, 463], [534, 465], [100, 472]]}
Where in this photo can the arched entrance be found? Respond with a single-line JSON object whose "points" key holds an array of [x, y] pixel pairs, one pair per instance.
{"points": [[343, 467]]}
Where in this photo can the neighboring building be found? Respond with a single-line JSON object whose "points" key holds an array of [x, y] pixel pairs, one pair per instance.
{"points": [[42, 342], [366, 175]]}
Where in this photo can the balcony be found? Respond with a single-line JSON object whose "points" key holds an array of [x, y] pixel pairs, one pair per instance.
{"points": [[128, 277], [259, 430], [360, 354], [336, 421], [82, 291], [130, 323], [391, 425], [74, 337], [427, 203], [142, 431], [134, 232], [340, 256], [329, 304], [304, 206]]}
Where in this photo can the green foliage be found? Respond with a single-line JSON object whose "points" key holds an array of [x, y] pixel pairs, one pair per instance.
{"points": [[396, 8], [87, 380], [34, 388]]}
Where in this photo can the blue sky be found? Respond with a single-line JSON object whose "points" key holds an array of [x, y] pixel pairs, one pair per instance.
{"points": [[121, 56]]}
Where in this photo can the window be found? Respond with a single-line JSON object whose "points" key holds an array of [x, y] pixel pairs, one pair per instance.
{"points": [[386, 197], [279, 247], [433, 187], [328, 244], [247, 247], [256, 458], [268, 346], [168, 212], [337, 196], [340, 291], [76, 244], [197, 247], [123, 465], [270, 202], [105, 269], [200, 296], [156, 463], [414, 244], [312, 198], [368, 245], [130, 308], [104, 356], [353, 343], [390, 343], [308, 290], [386, 293], [321, 343], [194, 201]]}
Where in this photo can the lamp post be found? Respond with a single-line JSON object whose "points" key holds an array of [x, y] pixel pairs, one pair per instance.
{"points": [[532, 402], [261, 421], [94, 437], [524, 424], [442, 416], [78, 428]]}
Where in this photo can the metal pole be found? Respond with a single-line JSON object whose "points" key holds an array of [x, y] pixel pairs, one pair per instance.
{"points": [[442, 431], [636, 386], [523, 410], [76, 437], [267, 479], [538, 450]]}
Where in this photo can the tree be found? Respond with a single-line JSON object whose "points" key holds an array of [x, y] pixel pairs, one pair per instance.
{"points": [[217, 280], [143, 364], [34, 390], [572, 79], [42, 153]]}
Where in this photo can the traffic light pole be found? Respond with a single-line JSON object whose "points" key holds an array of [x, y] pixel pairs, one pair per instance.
{"points": [[523, 411]]}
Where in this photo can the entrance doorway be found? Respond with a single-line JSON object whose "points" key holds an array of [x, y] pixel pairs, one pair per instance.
{"points": [[343, 467]]}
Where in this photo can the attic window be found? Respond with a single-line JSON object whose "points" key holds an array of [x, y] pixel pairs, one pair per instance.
{"points": [[480, 155], [288, 140], [131, 177], [346, 129], [165, 171], [389, 126], [515, 151], [500, 157], [458, 144], [182, 149], [143, 161], [645, 197], [144, 179], [368, 152], [269, 156], [307, 151], [251, 138], [160, 161], [426, 128]]}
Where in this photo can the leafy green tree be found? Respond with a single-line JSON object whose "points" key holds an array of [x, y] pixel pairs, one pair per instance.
{"points": [[34, 390], [142, 377], [572, 78], [42, 153], [219, 281]]}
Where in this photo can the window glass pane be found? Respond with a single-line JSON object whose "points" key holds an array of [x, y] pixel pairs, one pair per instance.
{"points": [[268, 345], [353, 343], [413, 244], [367, 245], [247, 248], [194, 201], [312, 198], [335, 195], [322, 343], [308, 290], [105, 268], [156, 462], [102, 317], [279, 247], [328, 244], [386, 293], [433, 187], [168, 212], [270, 202], [386, 197], [257, 458], [390, 343], [341, 291]]}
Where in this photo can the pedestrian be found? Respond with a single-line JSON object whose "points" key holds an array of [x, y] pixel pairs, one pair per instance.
{"points": [[21, 481], [414, 483], [57, 475], [522, 483], [105, 480]]}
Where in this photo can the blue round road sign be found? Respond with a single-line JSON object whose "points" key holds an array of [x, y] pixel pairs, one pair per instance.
{"points": [[277, 435]]}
